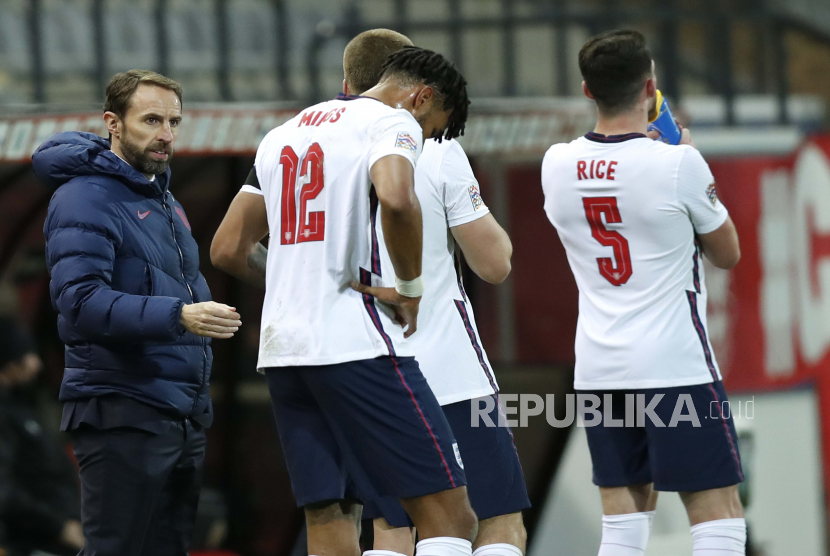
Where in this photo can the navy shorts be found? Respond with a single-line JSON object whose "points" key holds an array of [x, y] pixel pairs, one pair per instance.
{"points": [[495, 481], [687, 457], [373, 424]]}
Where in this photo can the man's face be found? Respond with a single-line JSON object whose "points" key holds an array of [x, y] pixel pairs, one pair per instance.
{"points": [[149, 129], [22, 371], [433, 119]]}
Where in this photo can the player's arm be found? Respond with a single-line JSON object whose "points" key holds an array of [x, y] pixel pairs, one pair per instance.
{"points": [[721, 247], [697, 193], [486, 247], [394, 180], [485, 244], [236, 247], [392, 158]]}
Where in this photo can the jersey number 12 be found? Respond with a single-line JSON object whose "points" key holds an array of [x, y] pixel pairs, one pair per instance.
{"points": [[312, 225], [595, 207]]}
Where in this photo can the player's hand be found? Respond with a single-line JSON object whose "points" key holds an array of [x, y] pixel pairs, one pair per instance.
{"points": [[685, 136], [72, 535], [406, 308], [210, 319]]}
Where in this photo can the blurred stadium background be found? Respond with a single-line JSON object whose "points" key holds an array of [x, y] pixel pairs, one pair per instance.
{"points": [[751, 78]]}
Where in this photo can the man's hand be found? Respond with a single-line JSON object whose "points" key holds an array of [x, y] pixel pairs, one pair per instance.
{"points": [[211, 319], [406, 308], [685, 135], [72, 535]]}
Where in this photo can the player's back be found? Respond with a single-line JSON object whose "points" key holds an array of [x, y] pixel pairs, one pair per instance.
{"points": [[314, 173], [446, 344], [626, 209]]}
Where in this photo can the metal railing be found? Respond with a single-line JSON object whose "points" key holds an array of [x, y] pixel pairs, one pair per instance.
{"points": [[665, 15], [663, 18]]}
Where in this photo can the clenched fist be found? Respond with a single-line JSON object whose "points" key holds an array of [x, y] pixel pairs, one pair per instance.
{"points": [[211, 319]]}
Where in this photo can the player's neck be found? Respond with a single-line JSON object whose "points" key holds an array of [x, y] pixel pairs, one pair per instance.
{"points": [[635, 121], [390, 94]]}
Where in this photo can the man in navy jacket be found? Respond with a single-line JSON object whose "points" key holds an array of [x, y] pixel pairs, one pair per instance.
{"points": [[136, 316]]}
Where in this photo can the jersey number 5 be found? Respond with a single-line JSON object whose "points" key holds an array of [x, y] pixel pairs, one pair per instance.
{"points": [[310, 180], [595, 207]]}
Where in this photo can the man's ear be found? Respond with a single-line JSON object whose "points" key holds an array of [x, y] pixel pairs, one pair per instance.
{"points": [[422, 97], [113, 123], [586, 92], [651, 87], [345, 88]]}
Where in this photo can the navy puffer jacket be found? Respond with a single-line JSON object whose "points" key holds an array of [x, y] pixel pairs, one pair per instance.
{"points": [[123, 262]]}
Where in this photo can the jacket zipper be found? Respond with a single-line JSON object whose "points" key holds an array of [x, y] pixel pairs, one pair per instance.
{"points": [[169, 212]]}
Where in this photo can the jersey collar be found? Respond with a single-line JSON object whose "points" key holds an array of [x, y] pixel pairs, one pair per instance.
{"points": [[342, 96], [600, 138]]}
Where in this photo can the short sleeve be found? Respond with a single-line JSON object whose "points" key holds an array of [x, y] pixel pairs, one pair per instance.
{"points": [[252, 183], [697, 193], [462, 195], [397, 133]]}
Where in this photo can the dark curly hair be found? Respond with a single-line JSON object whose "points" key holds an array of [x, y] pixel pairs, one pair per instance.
{"points": [[418, 64]]}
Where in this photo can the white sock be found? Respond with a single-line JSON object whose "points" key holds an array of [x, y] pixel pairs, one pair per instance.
{"points": [[721, 537], [626, 534], [498, 549], [444, 546], [381, 553]]}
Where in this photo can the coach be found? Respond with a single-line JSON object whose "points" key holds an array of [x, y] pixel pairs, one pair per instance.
{"points": [[136, 317]]}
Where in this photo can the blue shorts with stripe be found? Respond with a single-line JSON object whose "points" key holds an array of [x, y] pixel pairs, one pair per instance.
{"points": [[372, 424], [681, 439], [495, 481]]}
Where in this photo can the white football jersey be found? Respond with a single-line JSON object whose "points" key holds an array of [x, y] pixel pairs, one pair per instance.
{"points": [[446, 345], [314, 173], [627, 209]]}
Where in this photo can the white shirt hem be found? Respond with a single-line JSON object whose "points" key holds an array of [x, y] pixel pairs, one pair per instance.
{"points": [[714, 225], [643, 384], [464, 396], [468, 218], [251, 189], [325, 360]]}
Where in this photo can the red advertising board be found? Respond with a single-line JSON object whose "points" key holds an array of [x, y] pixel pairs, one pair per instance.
{"points": [[776, 309]]}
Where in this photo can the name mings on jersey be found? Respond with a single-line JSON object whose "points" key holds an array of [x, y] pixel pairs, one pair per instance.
{"points": [[312, 118]]}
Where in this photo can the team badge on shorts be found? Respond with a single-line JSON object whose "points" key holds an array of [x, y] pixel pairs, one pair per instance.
{"points": [[712, 193], [406, 142], [475, 196], [457, 453]]}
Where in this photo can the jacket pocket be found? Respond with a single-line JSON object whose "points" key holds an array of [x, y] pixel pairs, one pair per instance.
{"points": [[132, 275]]}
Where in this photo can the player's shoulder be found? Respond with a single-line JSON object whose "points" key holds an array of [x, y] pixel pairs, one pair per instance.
{"points": [[435, 153], [681, 159], [559, 152], [687, 154], [664, 151], [571, 148]]}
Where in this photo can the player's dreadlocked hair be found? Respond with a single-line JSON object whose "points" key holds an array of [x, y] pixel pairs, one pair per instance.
{"points": [[418, 64]]}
